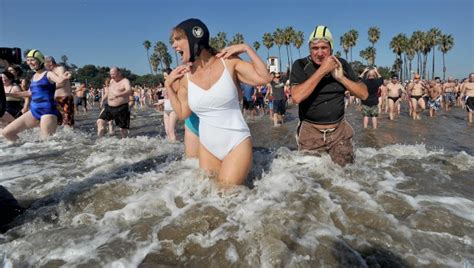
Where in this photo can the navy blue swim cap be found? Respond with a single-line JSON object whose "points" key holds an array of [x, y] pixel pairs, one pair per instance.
{"points": [[198, 36]]}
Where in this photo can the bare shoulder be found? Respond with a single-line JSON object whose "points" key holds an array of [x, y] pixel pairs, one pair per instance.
{"points": [[16, 88], [125, 82], [59, 69], [232, 61]]}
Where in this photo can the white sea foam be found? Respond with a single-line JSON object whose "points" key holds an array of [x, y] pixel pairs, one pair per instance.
{"points": [[299, 198]]}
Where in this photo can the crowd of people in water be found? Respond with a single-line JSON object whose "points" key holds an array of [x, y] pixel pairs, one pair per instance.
{"points": [[214, 92]]}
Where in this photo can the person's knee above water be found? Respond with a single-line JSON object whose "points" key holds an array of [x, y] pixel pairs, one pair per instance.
{"points": [[209, 90], [318, 83]]}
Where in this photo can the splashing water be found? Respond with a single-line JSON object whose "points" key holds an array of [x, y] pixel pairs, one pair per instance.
{"points": [[136, 202]]}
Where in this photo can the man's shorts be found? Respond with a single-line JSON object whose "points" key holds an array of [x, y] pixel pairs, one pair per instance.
{"points": [[80, 101], [248, 104], [470, 104], [337, 143], [450, 98], [279, 107], [435, 104], [370, 111], [120, 114]]}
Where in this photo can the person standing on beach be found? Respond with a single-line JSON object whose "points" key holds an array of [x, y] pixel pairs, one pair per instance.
{"points": [[43, 111], [117, 108], [63, 94], [394, 93], [417, 90], [370, 107], [467, 91], [318, 83]]}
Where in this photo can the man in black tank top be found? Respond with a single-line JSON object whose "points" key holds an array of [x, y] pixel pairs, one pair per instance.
{"points": [[318, 83]]}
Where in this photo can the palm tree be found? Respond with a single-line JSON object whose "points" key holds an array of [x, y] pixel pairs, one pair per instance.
{"points": [[214, 42], [288, 34], [154, 62], [434, 34], [147, 45], [398, 45], [368, 54], [353, 38], [338, 54], [278, 38], [256, 45], [410, 52], [268, 41], [238, 38], [446, 42], [397, 66], [344, 41], [221, 40], [160, 49], [426, 48], [363, 54], [374, 35], [298, 40], [417, 43]]}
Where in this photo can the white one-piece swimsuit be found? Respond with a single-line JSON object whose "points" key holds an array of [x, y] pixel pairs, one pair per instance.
{"points": [[221, 124]]}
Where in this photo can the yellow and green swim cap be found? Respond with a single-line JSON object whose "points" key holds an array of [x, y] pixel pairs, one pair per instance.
{"points": [[321, 32], [34, 53]]}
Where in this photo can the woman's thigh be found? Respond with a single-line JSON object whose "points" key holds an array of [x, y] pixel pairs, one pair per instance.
{"points": [[237, 164]]}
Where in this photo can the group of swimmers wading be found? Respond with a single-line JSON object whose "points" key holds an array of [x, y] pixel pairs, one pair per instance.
{"points": [[204, 91]]}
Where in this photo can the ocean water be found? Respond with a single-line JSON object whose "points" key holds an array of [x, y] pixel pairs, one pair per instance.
{"points": [[408, 201]]}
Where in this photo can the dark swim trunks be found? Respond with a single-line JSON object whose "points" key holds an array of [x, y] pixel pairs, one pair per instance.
{"points": [[470, 104], [120, 114], [394, 99], [14, 108]]}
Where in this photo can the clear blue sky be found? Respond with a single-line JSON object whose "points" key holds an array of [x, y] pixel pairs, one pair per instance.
{"points": [[111, 32]]}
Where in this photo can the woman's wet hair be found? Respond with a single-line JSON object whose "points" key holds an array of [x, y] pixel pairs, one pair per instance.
{"points": [[9, 75]]}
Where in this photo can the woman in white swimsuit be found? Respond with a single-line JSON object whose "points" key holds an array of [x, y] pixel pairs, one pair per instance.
{"points": [[206, 85]]}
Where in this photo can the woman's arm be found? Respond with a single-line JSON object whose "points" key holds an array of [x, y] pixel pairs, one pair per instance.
{"points": [[58, 79], [253, 73], [177, 91], [17, 93]]}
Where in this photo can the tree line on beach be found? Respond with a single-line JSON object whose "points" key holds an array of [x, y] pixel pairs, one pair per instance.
{"points": [[407, 50]]}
